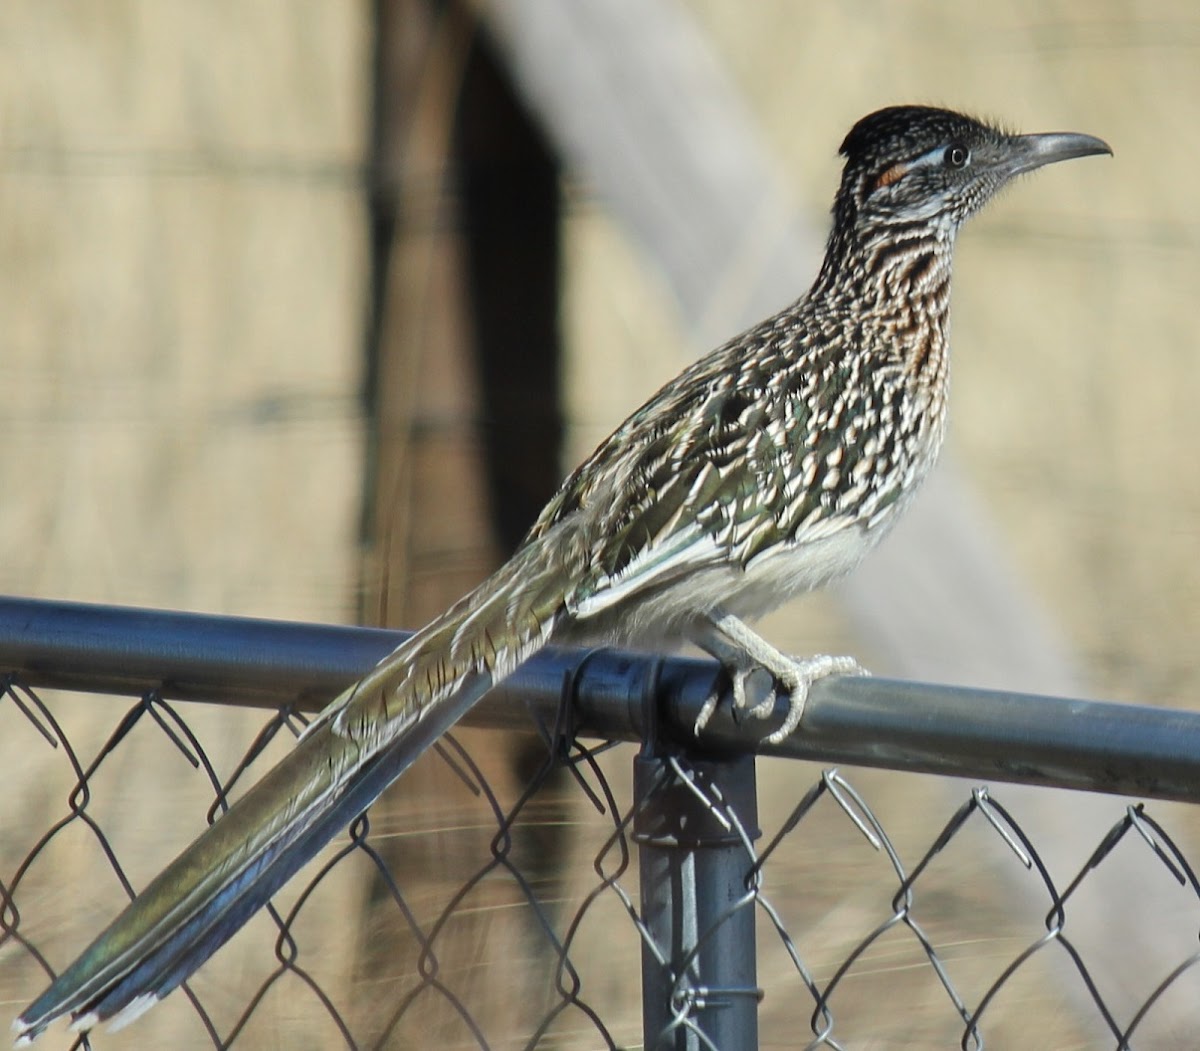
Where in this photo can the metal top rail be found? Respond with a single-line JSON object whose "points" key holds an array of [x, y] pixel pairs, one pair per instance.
{"points": [[982, 734]]}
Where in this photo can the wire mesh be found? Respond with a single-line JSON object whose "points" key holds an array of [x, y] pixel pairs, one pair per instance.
{"points": [[527, 930]]}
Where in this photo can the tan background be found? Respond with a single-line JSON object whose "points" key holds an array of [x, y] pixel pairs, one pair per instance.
{"points": [[182, 273]]}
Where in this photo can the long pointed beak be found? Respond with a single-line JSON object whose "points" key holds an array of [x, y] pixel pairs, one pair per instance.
{"points": [[1033, 151]]}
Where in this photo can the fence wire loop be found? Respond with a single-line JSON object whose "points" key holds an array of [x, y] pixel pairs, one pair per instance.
{"points": [[999, 821]]}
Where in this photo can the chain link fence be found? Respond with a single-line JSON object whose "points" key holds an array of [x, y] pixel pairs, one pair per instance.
{"points": [[590, 893]]}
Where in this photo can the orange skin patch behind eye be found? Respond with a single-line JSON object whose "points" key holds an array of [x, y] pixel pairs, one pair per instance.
{"points": [[893, 174]]}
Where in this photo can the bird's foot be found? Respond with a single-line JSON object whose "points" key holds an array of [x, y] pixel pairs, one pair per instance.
{"points": [[754, 685], [797, 677], [756, 669]]}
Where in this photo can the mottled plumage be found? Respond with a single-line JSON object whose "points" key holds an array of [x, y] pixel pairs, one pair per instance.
{"points": [[767, 468]]}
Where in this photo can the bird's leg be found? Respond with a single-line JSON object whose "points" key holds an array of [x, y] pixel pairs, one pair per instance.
{"points": [[755, 667]]}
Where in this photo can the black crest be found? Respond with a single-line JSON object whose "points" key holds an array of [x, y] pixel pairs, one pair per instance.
{"points": [[898, 132]]}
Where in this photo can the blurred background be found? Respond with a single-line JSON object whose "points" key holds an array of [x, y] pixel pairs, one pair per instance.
{"points": [[305, 307]]}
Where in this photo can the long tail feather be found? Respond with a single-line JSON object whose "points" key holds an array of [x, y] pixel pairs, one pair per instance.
{"points": [[358, 746]]}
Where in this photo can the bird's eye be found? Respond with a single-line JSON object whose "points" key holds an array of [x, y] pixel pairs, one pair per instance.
{"points": [[956, 156]]}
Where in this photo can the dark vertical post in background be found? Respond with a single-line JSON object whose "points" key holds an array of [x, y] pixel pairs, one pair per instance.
{"points": [[464, 434], [509, 203], [462, 343]]}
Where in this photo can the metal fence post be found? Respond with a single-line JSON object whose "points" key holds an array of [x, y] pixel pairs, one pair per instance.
{"points": [[699, 988]]}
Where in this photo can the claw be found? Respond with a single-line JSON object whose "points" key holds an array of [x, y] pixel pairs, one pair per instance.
{"points": [[710, 706], [753, 689]]}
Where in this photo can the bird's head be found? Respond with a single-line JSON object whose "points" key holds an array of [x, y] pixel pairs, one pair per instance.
{"points": [[917, 164]]}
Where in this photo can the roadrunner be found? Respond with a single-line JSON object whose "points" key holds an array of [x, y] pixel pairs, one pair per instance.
{"points": [[767, 468]]}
